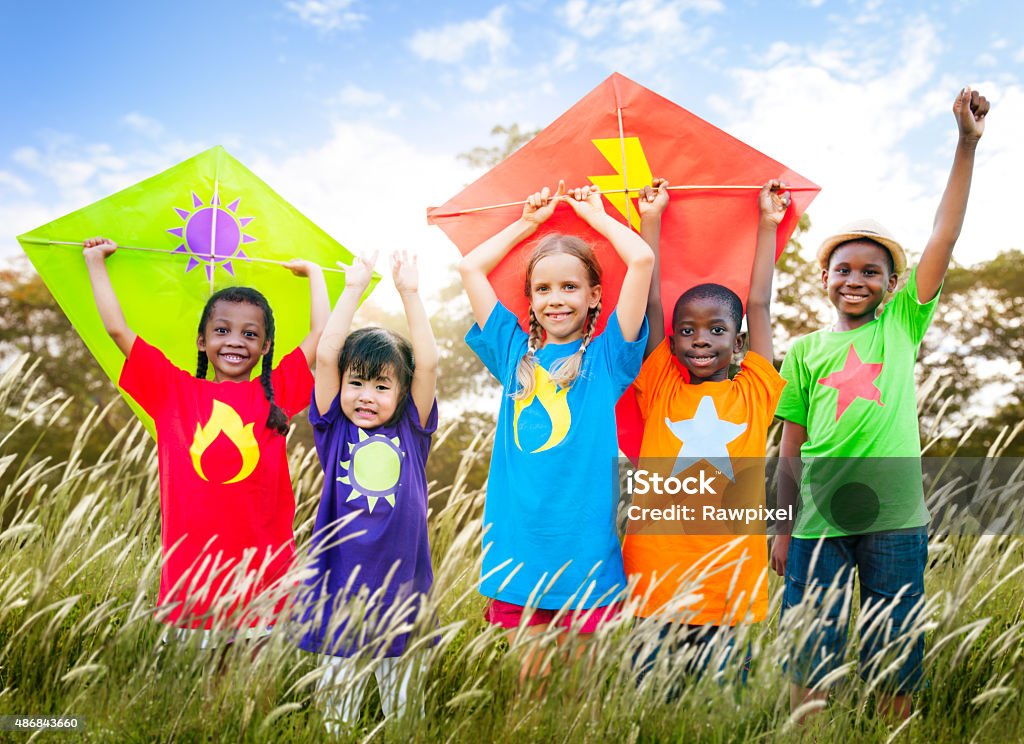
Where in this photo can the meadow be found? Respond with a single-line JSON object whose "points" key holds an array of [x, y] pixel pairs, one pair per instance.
{"points": [[79, 570]]}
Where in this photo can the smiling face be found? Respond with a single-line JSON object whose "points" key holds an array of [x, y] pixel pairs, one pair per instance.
{"points": [[234, 340], [858, 277], [704, 338], [369, 403], [561, 296]]}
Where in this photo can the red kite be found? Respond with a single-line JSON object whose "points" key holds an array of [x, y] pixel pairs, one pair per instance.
{"points": [[619, 137]]}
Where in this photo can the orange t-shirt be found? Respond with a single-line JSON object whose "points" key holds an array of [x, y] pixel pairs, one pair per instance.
{"points": [[704, 571]]}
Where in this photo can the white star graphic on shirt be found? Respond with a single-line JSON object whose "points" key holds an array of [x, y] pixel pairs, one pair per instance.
{"points": [[707, 435]]}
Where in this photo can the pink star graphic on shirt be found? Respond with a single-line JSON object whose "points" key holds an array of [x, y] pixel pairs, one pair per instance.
{"points": [[855, 380]]}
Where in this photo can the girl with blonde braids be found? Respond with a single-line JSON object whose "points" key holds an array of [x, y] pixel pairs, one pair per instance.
{"points": [[551, 553]]}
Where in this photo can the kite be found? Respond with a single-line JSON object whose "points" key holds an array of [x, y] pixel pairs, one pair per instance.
{"points": [[200, 226], [619, 137]]}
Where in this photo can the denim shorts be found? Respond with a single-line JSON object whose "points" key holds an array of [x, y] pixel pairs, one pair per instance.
{"points": [[890, 568]]}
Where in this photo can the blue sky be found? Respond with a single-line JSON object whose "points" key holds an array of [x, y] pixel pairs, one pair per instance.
{"points": [[355, 111]]}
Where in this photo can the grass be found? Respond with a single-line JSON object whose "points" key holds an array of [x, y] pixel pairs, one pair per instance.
{"points": [[79, 551]]}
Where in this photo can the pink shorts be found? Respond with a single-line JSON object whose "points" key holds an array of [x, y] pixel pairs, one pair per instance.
{"points": [[508, 615]]}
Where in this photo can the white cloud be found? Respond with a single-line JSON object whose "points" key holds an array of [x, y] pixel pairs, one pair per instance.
{"points": [[142, 124], [638, 34], [11, 183], [987, 59], [352, 96], [62, 174], [452, 42], [327, 15], [856, 131], [369, 189]]}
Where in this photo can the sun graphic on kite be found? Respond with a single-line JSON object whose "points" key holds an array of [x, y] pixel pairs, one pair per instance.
{"points": [[212, 235], [373, 469]]}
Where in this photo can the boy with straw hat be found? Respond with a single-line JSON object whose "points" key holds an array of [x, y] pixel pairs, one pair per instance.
{"points": [[851, 450]]}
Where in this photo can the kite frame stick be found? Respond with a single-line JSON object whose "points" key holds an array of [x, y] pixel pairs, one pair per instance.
{"points": [[636, 192], [625, 170], [40, 241], [212, 268]]}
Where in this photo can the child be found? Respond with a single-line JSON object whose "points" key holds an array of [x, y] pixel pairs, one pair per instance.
{"points": [[552, 489], [226, 501], [851, 395], [373, 415], [684, 387]]}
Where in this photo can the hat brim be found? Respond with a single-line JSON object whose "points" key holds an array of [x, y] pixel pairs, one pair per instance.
{"points": [[899, 256]]}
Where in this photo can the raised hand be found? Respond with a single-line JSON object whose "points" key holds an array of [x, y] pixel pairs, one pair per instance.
{"points": [[405, 272], [773, 201], [586, 202], [98, 246], [541, 205], [654, 198], [360, 273], [970, 108], [300, 266]]}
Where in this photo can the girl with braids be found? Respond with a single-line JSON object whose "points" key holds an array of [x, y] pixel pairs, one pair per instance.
{"points": [[551, 553], [226, 501]]}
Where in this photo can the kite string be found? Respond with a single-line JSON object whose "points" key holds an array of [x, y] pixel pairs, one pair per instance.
{"points": [[631, 192], [211, 256]]}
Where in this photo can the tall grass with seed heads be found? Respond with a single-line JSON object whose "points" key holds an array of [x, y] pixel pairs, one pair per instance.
{"points": [[80, 567]]}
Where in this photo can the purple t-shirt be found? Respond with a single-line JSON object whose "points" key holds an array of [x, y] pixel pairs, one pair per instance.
{"points": [[370, 535]]}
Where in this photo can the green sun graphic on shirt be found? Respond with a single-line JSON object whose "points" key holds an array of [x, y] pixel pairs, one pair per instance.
{"points": [[373, 468]]}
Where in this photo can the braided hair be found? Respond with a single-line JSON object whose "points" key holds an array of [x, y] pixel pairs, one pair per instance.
{"points": [[276, 419], [565, 371]]}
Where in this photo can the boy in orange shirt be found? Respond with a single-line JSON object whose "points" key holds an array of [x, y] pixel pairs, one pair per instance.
{"points": [[704, 574]]}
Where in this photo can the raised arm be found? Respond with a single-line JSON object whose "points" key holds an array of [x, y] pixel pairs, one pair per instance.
{"points": [[652, 203], [633, 251], [970, 109], [773, 202], [96, 251], [328, 350], [319, 304], [424, 348], [478, 263]]}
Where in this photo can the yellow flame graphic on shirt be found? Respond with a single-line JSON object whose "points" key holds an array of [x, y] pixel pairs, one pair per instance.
{"points": [[225, 420], [554, 402], [636, 171]]}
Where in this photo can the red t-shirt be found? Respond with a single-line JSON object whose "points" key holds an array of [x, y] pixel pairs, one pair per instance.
{"points": [[226, 500]]}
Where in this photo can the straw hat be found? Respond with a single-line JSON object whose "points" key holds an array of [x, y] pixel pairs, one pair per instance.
{"points": [[864, 229]]}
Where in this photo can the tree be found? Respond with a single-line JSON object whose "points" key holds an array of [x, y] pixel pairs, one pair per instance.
{"points": [[488, 157], [32, 323]]}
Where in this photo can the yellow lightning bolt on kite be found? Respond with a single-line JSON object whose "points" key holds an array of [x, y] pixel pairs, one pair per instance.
{"points": [[634, 174]]}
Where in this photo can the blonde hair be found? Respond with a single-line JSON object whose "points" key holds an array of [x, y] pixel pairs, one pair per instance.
{"points": [[566, 370]]}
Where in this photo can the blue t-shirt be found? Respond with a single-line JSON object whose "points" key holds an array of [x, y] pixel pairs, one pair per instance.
{"points": [[370, 534], [553, 487]]}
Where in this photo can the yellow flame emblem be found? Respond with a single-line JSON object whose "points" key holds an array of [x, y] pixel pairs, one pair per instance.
{"points": [[635, 170], [225, 419], [554, 402]]}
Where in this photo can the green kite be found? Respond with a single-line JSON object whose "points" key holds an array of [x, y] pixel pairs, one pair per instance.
{"points": [[202, 225]]}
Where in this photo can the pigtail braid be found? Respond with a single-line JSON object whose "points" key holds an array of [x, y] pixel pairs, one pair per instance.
{"points": [[202, 364], [565, 371], [276, 419], [525, 374]]}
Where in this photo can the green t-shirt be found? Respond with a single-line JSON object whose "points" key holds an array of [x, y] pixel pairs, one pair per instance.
{"points": [[855, 393]]}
